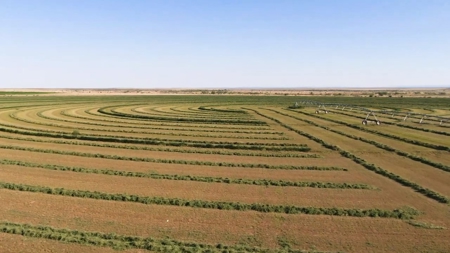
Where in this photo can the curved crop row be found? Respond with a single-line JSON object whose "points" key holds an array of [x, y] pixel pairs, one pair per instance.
{"points": [[156, 111], [246, 137], [260, 182], [103, 110], [176, 150], [157, 141], [171, 161], [184, 128], [210, 112], [221, 110], [167, 123]]}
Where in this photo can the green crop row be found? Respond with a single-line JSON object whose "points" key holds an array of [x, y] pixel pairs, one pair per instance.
{"points": [[212, 112], [156, 112], [184, 128], [122, 242], [12, 115], [103, 110], [160, 139], [221, 110], [198, 115], [407, 213], [259, 182], [427, 192], [423, 225], [157, 141], [424, 191], [176, 150], [165, 123], [382, 146], [171, 161]]}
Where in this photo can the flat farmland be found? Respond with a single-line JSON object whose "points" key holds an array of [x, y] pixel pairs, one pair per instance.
{"points": [[220, 174]]}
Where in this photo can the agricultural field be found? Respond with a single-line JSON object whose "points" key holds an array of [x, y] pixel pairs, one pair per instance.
{"points": [[220, 173]]}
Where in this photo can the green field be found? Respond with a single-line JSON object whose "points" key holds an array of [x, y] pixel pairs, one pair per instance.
{"points": [[219, 173]]}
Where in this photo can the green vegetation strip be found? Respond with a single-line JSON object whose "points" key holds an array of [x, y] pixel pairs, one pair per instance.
{"points": [[183, 128], [123, 242], [422, 190], [12, 115], [215, 115], [377, 144], [261, 182], [159, 112], [222, 110], [131, 139], [171, 161], [423, 225], [404, 213], [101, 117], [176, 150], [158, 141], [103, 110]]}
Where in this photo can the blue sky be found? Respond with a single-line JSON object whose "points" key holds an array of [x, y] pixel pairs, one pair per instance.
{"points": [[224, 44]]}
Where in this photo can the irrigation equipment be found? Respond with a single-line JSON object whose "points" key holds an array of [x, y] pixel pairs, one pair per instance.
{"points": [[406, 116], [370, 112], [423, 117], [367, 120], [322, 109], [295, 105]]}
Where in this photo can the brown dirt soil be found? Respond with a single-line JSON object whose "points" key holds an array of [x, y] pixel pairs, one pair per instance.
{"points": [[255, 173], [346, 198], [228, 227], [21, 244]]}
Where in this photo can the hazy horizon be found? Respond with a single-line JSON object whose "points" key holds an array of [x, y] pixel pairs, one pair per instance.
{"points": [[240, 88], [232, 44]]}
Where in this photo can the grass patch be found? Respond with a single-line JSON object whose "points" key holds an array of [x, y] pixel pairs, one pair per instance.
{"points": [[401, 213], [425, 225]]}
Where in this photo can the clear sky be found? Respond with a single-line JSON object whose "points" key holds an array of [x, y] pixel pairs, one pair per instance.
{"points": [[224, 44]]}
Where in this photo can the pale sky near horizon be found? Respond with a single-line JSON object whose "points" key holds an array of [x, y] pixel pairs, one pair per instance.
{"points": [[224, 44]]}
